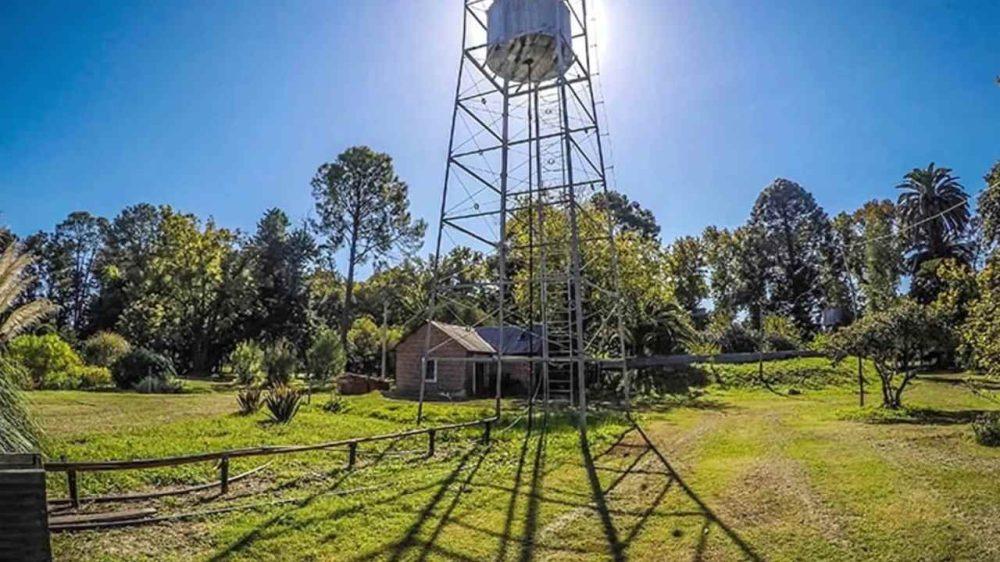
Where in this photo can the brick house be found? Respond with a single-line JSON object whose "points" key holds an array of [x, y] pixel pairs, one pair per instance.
{"points": [[463, 379]]}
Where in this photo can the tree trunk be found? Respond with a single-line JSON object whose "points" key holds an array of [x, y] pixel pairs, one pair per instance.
{"points": [[345, 312]]}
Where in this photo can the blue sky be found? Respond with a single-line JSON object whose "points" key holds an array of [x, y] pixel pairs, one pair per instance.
{"points": [[226, 108]]}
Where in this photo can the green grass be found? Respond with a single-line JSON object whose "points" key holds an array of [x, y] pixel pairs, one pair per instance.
{"points": [[802, 477]]}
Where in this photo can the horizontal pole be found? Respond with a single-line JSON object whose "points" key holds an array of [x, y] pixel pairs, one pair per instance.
{"points": [[101, 466]]}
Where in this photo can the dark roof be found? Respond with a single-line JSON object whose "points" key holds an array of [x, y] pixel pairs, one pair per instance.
{"points": [[516, 341]]}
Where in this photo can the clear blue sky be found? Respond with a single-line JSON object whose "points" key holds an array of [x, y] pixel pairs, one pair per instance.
{"points": [[226, 108]]}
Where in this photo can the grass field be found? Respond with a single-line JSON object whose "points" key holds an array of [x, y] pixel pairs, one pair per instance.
{"points": [[754, 475]]}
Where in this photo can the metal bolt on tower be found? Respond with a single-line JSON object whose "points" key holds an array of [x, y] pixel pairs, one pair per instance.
{"points": [[524, 161]]}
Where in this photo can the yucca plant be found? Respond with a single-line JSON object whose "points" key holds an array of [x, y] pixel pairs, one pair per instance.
{"points": [[283, 403], [17, 432], [249, 399]]}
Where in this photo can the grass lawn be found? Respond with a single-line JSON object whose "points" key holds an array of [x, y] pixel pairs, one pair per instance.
{"points": [[755, 475]]}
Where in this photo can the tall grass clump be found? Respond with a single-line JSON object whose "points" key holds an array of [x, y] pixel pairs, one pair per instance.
{"points": [[18, 432]]}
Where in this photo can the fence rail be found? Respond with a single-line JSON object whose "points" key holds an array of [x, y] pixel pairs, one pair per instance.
{"points": [[223, 457]]}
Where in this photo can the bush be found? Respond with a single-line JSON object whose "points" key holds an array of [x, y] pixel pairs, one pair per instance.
{"points": [[249, 399], [47, 360], [155, 385], [104, 348], [139, 364], [283, 403], [335, 404], [246, 363], [987, 429], [280, 362], [90, 376]]}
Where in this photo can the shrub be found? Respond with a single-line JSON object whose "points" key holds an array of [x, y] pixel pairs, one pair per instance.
{"points": [[104, 348], [335, 404], [249, 399], [283, 403], [325, 358], [90, 376], [280, 362], [139, 364], [987, 429], [47, 360], [246, 363], [153, 384]]}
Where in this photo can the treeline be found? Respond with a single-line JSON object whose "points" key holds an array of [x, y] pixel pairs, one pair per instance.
{"points": [[192, 290]]}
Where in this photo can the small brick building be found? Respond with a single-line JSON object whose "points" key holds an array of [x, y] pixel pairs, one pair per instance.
{"points": [[464, 379]]}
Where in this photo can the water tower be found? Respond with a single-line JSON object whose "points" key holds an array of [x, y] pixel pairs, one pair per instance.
{"points": [[524, 161]]}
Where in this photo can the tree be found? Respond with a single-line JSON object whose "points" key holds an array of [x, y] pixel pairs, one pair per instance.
{"points": [[721, 257], [981, 330], [873, 252], [281, 260], [191, 304], [934, 210], [989, 206], [364, 347], [686, 264], [72, 255], [325, 359], [898, 340], [363, 206], [629, 216], [131, 242], [795, 237], [17, 430]]}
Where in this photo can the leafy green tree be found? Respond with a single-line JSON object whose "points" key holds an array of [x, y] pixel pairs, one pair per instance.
{"points": [[281, 262], [795, 237], [363, 205], [364, 345], [898, 340], [989, 206], [686, 263], [934, 210], [192, 302], [873, 252], [981, 330], [131, 241], [721, 255], [72, 254], [629, 216]]}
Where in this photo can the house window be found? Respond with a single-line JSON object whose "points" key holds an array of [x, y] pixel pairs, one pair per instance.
{"points": [[431, 371]]}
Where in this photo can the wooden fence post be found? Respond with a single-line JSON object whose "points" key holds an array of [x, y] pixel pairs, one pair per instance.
{"points": [[224, 474], [487, 425], [430, 443], [74, 493], [352, 454]]}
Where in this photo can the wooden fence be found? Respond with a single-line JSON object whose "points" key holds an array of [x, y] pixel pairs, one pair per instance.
{"points": [[223, 457], [722, 358]]}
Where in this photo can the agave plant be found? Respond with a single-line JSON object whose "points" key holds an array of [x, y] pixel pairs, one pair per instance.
{"points": [[249, 399], [283, 403], [17, 432]]}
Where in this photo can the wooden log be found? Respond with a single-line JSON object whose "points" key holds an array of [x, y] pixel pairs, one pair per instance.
{"points": [[430, 443], [105, 517]]}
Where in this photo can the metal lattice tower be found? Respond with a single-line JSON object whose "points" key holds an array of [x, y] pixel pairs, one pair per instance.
{"points": [[524, 161]]}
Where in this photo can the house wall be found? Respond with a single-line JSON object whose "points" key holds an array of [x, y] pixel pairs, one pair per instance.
{"points": [[451, 376]]}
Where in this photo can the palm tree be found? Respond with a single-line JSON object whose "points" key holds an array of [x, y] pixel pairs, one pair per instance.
{"points": [[934, 210], [17, 432]]}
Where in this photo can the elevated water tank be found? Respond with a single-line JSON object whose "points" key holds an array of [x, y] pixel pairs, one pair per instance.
{"points": [[523, 34]]}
